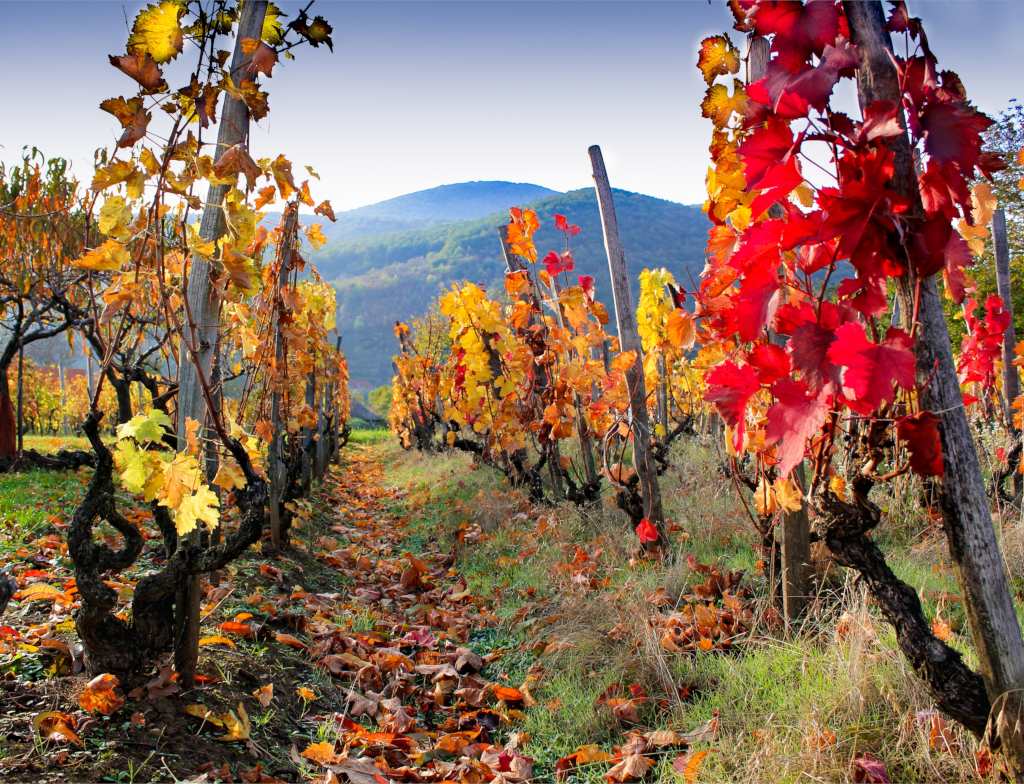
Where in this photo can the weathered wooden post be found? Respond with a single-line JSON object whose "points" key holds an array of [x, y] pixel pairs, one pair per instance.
{"points": [[1011, 381], [966, 516], [795, 526], [629, 340], [276, 469], [204, 305]]}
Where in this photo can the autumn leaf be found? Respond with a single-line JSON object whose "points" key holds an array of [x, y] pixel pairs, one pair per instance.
{"points": [[920, 433], [109, 256], [200, 506], [237, 725], [868, 769], [321, 753], [647, 532], [305, 694], [730, 386], [717, 57], [56, 726], [315, 235], [39, 592], [236, 160], [688, 765], [262, 58], [133, 118], [114, 217], [100, 695], [157, 31], [633, 767], [794, 418], [324, 208], [143, 69], [872, 370], [264, 694]]}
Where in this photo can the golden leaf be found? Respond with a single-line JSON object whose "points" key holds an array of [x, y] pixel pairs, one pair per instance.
{"points": [[111, 255], [157, 31]]}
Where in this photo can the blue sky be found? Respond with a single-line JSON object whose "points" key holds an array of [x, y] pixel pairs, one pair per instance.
{"points": [[422, 93]]}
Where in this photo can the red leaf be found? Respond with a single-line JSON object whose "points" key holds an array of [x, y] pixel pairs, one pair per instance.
{"points": [[921, 434], [868, 769], [776, 185], [766, 148], [796, 416], [729, 388], [647, 532], [556, 263], [562, 224], [871, 369], [770, 361], [952, 133]]}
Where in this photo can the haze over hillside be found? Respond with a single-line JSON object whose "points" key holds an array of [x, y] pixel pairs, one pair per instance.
{"points": [[446, 234]]}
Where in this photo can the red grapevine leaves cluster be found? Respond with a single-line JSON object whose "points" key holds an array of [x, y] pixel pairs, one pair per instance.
{"points": [[800, 264]]}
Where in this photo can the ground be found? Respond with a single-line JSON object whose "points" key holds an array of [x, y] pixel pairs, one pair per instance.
{"points": [[431, 618]]}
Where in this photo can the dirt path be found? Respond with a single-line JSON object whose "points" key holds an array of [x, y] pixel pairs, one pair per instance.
{"points": [[345, 660]]}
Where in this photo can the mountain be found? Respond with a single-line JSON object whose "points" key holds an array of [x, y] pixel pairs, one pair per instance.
{"points": [[395, 275], [432, 207]]}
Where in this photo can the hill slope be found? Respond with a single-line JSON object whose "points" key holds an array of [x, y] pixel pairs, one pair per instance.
{"points": [[396, 275], [431, 207]]}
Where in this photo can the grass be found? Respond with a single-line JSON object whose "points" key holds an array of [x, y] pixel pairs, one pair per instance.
{"points": [[31, 501], [792, 706]]}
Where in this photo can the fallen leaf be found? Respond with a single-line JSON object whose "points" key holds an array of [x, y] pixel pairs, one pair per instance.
{"points": [[100, 695]]}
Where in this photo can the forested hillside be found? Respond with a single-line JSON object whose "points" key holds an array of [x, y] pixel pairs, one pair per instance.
{"points": [[395, 276]]}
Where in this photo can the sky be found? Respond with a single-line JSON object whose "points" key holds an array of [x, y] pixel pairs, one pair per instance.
{"points": [[419, 94]]}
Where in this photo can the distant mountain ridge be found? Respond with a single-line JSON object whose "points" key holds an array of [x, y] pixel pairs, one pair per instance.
{"points": [[393, 274], [431, 207]]}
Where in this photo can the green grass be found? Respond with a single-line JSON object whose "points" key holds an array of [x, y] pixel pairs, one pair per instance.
{"points": [[368, 435], [31, 501], [779, 698]]}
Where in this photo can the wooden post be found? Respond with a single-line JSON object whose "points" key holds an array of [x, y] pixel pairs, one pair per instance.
{"points": [[1011, 381], [795, 528], [629, 340], [966, 516], [275, 450], [204, 304]]}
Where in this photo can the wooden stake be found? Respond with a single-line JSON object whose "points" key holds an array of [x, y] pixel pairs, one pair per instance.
{"points": [[204, 304], [275, 451], [629, 340], [795, 529], [1011, 381]]}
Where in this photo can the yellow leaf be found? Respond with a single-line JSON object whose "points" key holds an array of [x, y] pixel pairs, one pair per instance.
{"points": [[237, 725], [217, 639], [315, 235], [307, 694], [37, 592], [200, 711], [229, 476], [157, 31], [111, 255], [788, 494], [113, 173], [150, 426], [115, 215], [202, 505]]}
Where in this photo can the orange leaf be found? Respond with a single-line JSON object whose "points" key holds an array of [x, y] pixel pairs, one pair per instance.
{"points": [[100, 695]]}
